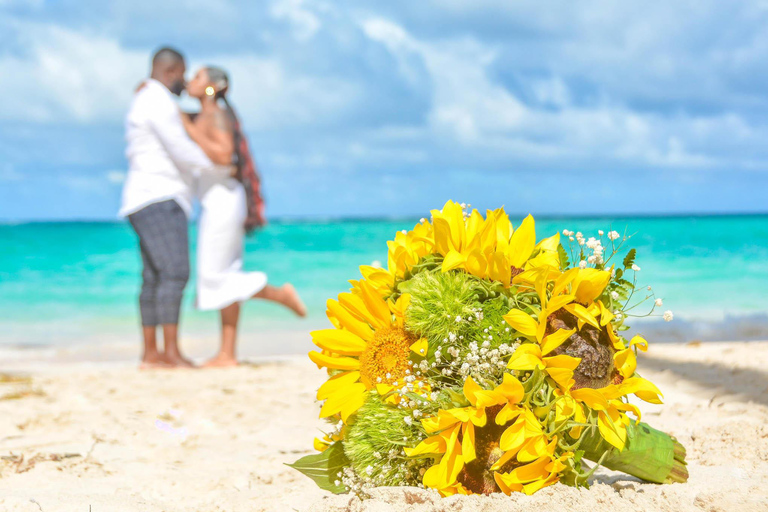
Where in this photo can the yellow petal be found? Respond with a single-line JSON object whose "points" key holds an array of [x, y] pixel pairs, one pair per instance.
{"points": [[356, 306], [558, 302], [468, 443], [593, 398], [454, 259], [590, 283], [625, 362], [381, 316], [605, 315], [452, 462], [561, 368], [470, 388], [511, 389], [432, 444], [399, 308], [505, 483], [476, 264], [442, 421], [639, 342], [380, 278], [348, 321], [500, 270], [554, 340], [432, 477], [522, 243], [564, 280], [346, 401], [642, 388], [562, 361], [532, 449], [612, 431], [335, 383], [507, 413], [628, 407], [513, 437], [532, 471], [526, 357], [420, 347], [320, 445], [339, 341], [582, 315], [522, 322], [334, 362]]}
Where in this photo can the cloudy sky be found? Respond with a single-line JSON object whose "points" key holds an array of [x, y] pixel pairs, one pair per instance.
{"points": [[370, 108]]}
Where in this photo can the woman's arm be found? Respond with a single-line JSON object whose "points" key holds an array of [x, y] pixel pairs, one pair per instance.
{"points": [[217, 141]]}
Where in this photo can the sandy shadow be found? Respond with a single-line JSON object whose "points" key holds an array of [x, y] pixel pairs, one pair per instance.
{"points": [[744, 384]]}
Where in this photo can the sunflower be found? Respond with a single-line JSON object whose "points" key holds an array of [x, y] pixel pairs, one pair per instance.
{"points": [[531, 477], [369, 349], [476, 444], [606, 371], [487, 248]]}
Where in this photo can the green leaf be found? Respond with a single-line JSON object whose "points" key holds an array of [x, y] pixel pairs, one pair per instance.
{"points": [[563, 256], [325, 467], [629, 259]]}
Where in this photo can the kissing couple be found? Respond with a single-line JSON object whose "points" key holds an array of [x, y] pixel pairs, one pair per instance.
{"points": [[175, 158]]}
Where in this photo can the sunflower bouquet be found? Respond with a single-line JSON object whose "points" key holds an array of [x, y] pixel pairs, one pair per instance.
{"points": [[482, 361]]}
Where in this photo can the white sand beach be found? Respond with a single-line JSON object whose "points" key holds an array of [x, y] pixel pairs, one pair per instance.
{"points": [[77, 436]]}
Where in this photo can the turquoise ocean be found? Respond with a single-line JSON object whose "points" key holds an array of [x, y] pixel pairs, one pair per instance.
{"points": [[70, 283]]}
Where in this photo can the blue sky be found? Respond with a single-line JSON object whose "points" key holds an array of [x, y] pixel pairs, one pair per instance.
{"points": [[358, 108]]}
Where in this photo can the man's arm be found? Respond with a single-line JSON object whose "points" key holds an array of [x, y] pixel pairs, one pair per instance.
{"points": [[188, 157]]}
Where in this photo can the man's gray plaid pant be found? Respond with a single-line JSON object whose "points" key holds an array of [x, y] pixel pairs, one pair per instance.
{"points": [[164, 242]]}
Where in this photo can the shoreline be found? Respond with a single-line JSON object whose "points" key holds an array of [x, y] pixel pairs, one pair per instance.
{"points": [[104, 434], [282, 345]]}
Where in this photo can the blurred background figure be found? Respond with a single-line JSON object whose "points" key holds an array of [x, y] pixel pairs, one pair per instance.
{"points": [[157, 197], [221, 282]]}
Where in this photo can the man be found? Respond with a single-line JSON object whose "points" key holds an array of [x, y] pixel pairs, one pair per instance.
{"points": [[157, 199]]}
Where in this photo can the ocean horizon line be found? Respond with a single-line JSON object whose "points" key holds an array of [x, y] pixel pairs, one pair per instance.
{"points": [[321, 219]]}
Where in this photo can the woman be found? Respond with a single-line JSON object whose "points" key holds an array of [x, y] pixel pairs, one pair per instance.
{"points": [[221, 282]]}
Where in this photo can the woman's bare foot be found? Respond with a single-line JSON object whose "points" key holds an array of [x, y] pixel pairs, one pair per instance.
{"points": [[221, 361], [293, 301]]}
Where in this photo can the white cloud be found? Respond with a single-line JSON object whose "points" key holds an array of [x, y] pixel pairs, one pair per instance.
{"points": [[304, 22], [68, 76], [466, 103], [267, 95], [472, 107]]}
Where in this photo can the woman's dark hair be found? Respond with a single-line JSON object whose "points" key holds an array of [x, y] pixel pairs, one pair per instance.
{"points": [[247, 172], [219, 79]]}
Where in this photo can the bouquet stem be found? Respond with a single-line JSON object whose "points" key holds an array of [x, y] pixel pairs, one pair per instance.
{"points": [[649, 454]]}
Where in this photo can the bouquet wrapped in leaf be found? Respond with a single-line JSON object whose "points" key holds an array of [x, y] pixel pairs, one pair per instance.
{"points": [[482, 361]]}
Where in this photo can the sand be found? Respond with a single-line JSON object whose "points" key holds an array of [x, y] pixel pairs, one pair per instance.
{"points": [[78, 436]]}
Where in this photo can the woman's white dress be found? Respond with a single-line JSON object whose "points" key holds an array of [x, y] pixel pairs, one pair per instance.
{"points": [[220, 244]]}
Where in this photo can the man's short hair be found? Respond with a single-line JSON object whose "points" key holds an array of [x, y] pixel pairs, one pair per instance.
{"points": [[167, 57]]}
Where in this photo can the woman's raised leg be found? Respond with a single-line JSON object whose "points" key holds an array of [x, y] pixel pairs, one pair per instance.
{"points": [[285, 295]]}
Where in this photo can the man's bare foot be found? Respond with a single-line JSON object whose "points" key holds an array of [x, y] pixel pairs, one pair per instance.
{"points": [[153, 362], [293, 301], [221, 361], [178, 361]]}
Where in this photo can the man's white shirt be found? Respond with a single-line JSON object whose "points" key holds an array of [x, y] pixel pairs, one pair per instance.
{"points": [[163, 162]]}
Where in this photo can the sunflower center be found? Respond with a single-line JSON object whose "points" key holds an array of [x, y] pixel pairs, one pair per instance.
{"points": [[477, 475], [385, 358], [593, 346]]}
